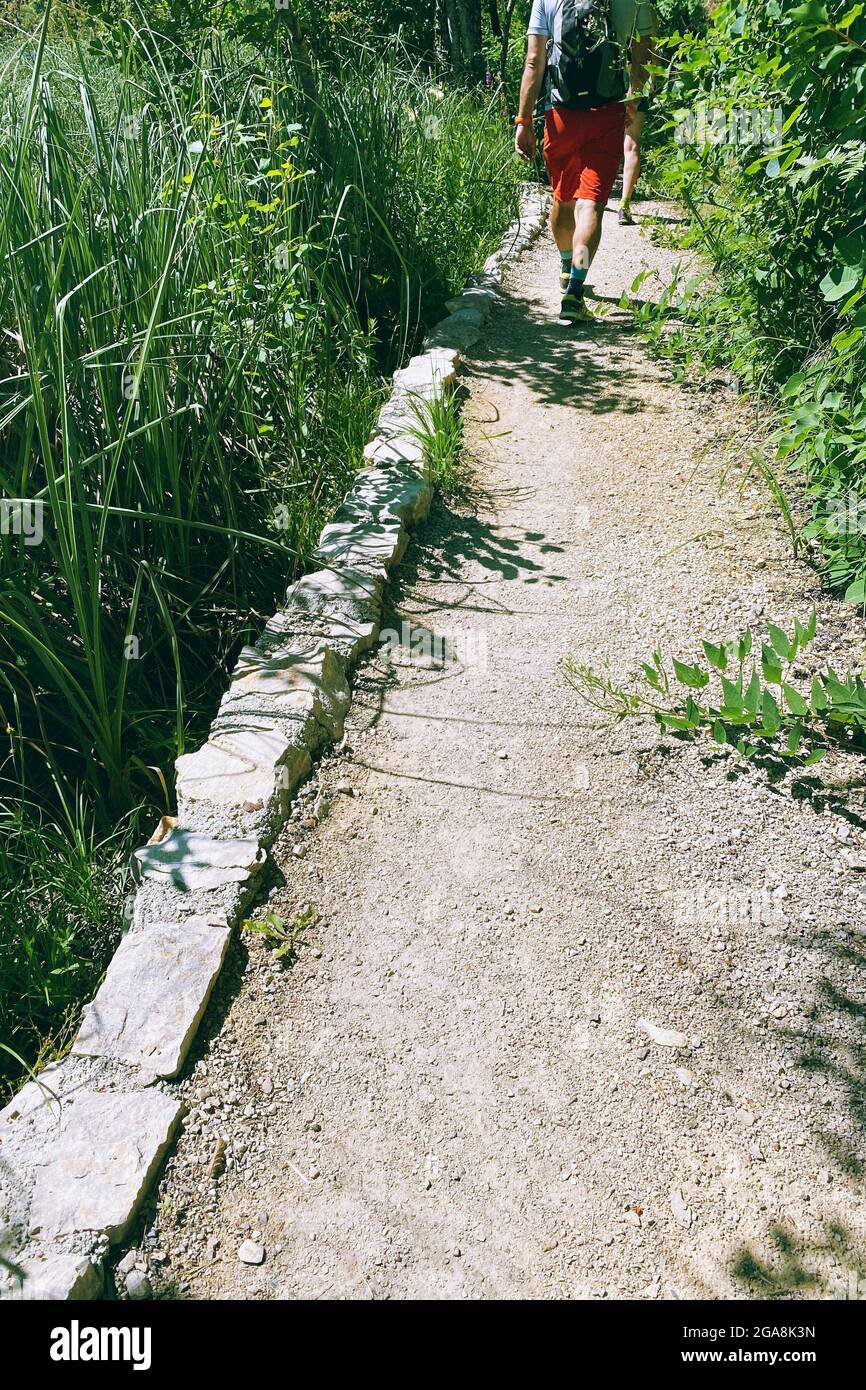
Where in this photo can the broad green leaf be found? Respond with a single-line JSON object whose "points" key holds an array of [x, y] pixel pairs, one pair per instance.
{"points": [[674, 721], [818, 697], [733, 694], [691, 676], [840, 281], [716, 656], [812, 12], [753, 695], [651, 675], [795, 702], [770, 714], [780, 641], [770, 666]]}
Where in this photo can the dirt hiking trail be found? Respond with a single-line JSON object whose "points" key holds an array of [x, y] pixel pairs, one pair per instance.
{"points": [[449, 1094]]}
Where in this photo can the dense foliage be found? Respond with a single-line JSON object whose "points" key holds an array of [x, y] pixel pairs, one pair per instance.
{"points": [[768, 112]]}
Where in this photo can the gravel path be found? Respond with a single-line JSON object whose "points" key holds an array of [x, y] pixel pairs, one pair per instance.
{"points": [[448, 1094]]}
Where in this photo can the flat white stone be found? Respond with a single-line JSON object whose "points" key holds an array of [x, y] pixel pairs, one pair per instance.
{"points": [[345, 587], [397, 494], [429, 374], [188, 860], [360, 542], [107, 1150], [154, 994], [27, 1103], [477, 298], [399, 415], [308, 681], [397, 448], [337, 607], [55, 1279], [458, 331], [240, 768], [485, 280]]}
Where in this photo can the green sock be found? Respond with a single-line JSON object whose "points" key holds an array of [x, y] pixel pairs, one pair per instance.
{"points": [[576, 281], [567, 258]]}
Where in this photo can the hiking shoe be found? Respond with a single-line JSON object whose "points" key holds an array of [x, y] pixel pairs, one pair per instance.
{"points": [[625, 217], [574, 310]]}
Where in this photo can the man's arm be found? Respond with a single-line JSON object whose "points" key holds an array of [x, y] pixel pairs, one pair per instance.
{"points": [[643, 49], [530, 90], [643, 55]]}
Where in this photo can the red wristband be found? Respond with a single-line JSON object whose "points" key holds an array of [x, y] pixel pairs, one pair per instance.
{"points": [[520, 120]]}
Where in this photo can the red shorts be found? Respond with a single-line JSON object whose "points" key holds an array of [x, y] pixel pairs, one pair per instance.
{"points": [[582, 151]]}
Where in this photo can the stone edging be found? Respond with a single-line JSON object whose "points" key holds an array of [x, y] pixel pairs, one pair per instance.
{"points": [[80, 1147]]}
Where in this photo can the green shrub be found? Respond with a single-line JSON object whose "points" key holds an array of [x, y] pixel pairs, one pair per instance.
{"points": [[782, 226]]}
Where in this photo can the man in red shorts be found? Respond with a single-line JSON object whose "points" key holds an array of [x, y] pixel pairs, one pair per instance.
{"points": [[595, 54]]}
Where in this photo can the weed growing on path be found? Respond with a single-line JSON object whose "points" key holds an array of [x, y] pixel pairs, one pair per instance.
{"points": [[757, 711], [285, 936]]}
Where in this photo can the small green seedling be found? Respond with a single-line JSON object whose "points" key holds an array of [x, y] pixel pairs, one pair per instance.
{"points": [[287, 937]]}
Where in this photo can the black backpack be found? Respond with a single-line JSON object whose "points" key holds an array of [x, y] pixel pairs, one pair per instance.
{"points": [[588, 66]]}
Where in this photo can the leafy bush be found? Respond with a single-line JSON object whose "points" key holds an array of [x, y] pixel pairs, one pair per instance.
{"points": [[782, 225], [758, 711]]}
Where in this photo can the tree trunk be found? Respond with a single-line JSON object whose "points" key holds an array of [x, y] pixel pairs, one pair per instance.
{"points": [[442, 35], [461, 32], [505, 41], [320, 135]]}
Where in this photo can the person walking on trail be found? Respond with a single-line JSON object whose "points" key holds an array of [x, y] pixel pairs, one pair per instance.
{"points": [[595, 55]]}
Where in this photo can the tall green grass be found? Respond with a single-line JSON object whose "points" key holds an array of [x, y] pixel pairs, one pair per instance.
{"points": [[199, 299]]}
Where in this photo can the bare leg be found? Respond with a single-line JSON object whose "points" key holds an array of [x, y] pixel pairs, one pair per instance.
{"points": [[562, 224], [576, 227], [631, 156], [587, 231]]}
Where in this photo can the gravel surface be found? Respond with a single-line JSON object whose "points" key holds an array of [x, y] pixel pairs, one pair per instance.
{"points": [[533, 1046]]}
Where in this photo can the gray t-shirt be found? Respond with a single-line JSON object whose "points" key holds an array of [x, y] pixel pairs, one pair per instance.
{"points": [[629, 19]]}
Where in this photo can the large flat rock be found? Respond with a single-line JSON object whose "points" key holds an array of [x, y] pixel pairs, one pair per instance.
{"points": [[398, 493], [101, 1163], [154, 994], [191, 862], [54, 1279], [304, 686], [239, 783], [361, 542]]}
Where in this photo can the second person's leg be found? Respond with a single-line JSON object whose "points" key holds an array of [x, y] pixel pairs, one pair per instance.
{"points": [[631, 162]]}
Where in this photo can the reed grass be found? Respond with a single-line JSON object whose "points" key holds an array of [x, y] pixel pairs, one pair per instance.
{"points": [[197, 312]]}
